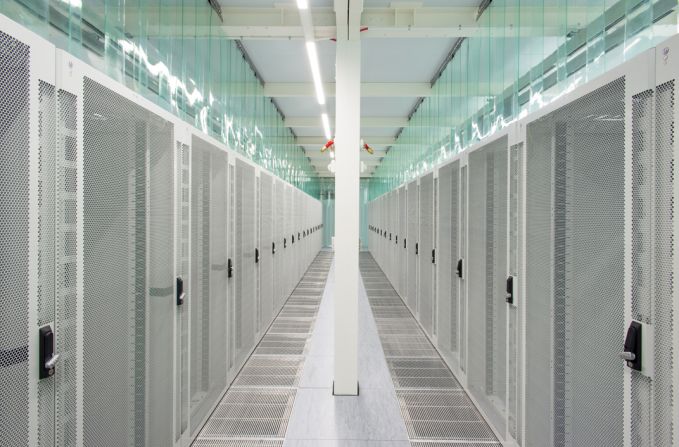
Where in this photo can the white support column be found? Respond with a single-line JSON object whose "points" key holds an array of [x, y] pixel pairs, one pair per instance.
{"points": [[347, 172]]}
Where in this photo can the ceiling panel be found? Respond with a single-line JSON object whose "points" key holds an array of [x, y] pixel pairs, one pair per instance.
{"points": [[386, 106], [403, 60], [286, 60]]}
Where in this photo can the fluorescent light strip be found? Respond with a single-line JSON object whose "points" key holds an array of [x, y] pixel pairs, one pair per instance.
{"points": [[302, 4], [326, 126], [315, 71]]}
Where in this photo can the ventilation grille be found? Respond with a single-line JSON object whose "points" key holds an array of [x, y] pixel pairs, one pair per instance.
{"points": [[584, 259], [413, 237], [433, 405], [257, 407], [14, 220], [209, 282]]}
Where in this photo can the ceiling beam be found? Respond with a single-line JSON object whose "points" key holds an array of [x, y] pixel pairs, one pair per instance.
{"points": [[370, 121], [369, 89], [400, 20], [320, 141]]}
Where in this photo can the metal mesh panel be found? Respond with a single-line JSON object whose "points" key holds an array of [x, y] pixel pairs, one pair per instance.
{"points": [[463, 253], [575, 272], [127, 222], [245, 260], [487, 270], [426, 244], [642, 205], [514, 364], [182, 262], [446, 318], [663, 285], [265, 255], [208, 285], [279, 234], [67, 226], [413, 236], [47, 134], [402, 252], [14, 224]]}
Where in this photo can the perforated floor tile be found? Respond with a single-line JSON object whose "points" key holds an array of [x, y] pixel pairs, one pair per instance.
{"points": [[255, 411], [435, 408]]}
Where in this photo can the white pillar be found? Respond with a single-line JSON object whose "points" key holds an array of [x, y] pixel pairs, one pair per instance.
{"points": [[347, 173]]}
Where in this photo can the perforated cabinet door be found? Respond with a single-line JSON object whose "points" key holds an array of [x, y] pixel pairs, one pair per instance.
{"points": [[514, 320], [575, 298], [245, 260], [182, 263], [265, 253], [447, 303], [487, 313], [18, 113], [652, 258], [426, 245], [128, 271], [208, 288], [413, 237]]}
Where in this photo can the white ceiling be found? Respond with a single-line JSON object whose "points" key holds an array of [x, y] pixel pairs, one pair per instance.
{"points": [[384, 60]]}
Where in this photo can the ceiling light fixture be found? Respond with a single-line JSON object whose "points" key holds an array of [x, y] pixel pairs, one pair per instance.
{"points": [[302, 4], [315, 71], [326, 126]]}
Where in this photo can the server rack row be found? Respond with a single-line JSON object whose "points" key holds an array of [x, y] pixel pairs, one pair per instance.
{"points": [[142, 260], [541, 263]]}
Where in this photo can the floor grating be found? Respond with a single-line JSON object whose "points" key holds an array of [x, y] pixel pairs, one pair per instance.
{"points": [[256, 409], [435, 408]]}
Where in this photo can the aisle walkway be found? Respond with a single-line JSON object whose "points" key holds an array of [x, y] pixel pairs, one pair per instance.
{"points": [[256, 409], [372, 419], [436, 410]]}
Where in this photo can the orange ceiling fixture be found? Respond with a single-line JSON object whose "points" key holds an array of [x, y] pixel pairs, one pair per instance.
{"points": [[331, 146]]}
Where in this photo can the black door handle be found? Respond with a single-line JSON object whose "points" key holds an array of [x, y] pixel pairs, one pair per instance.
{"points": [[180, 291], [632, 352], [417, 248], [256, 255], [459, 268], [48, 359], [433, 256], [509, 297], [273, 248], [229, 268]]}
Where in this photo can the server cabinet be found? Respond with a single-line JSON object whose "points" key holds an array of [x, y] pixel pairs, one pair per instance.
{"points": [[209, 279], [575, 269], [245, 299], [128, 268], [487, 267], [461, 265], [513, 289], [412, 244], [447, 296], [183, 272], [266, 256], [425, 306], [401, 251], [31, 198]]}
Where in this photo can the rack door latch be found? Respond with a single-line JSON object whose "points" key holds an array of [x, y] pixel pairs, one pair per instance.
{"points": [[396, 240], [433, 256], [48, 359], [632, 352], [417, 248], [285, 243], [229, 268], [509, 289], [256, 255], [459, 268], [405, 243], [273, 248], [181, 294]]}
